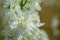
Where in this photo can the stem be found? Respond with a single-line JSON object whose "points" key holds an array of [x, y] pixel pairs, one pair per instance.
{"points": [[25, 3], [22, 4]]}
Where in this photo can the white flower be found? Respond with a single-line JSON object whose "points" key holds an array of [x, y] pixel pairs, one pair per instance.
{"points": [[22, 23], [37, 6], [14, 24], [20, 38]]}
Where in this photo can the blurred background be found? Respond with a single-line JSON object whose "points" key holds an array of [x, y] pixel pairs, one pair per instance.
{"points": [[49, 14]]}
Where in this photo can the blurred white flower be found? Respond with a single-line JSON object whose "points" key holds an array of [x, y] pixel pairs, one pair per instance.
{"points": [[22, 23], [37, 6], [14, 24]]}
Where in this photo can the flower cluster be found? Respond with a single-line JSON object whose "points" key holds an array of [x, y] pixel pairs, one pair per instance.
{"points": [[23, 20]]}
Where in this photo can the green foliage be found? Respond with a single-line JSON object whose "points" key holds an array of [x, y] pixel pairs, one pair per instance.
{"points": [[1, 36]]}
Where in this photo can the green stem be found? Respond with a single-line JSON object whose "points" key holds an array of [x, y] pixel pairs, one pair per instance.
{"points": [[25, 3], [22, 4]]}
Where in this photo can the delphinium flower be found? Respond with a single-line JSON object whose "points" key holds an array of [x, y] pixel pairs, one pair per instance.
{"points": [[22, 20]]}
